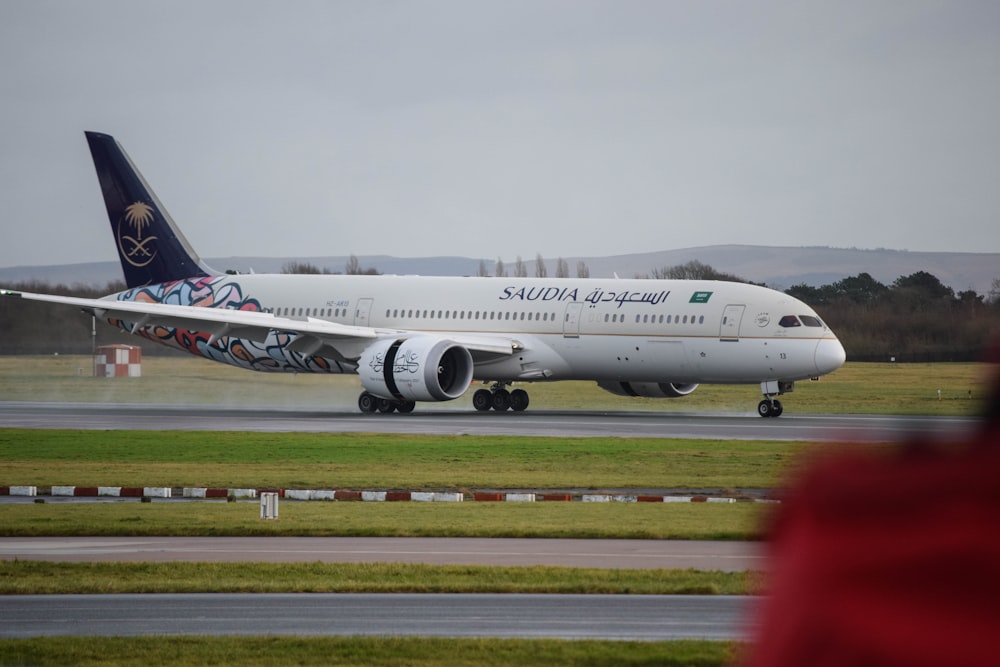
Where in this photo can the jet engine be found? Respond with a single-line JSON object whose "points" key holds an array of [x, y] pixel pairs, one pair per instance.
{"points": [[416, 369], [648, 389]]}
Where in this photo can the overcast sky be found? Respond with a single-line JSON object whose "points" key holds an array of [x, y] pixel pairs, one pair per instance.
{"points": [[505, 128]]}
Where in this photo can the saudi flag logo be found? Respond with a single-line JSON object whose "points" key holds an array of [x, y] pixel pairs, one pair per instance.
{"points": [[700, 297]]}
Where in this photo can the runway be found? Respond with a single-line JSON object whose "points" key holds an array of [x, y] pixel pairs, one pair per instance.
{"points": [[610, 554], [728, 426], [612, 617]]}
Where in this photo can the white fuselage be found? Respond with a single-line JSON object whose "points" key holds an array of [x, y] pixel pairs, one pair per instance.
{"points": [[609, 330]]}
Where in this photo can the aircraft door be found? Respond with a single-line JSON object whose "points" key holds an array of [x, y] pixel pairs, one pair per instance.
{"points": [[362, 313], [729, 329], [571, 321]]}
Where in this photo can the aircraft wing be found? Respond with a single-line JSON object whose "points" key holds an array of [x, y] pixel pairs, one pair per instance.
{"points": [[315, 336]]}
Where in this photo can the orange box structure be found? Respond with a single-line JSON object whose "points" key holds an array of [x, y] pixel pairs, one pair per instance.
{"points": [[115, 361]]}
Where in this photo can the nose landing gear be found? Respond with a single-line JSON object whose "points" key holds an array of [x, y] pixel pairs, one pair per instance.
{"points": [[770, 406]]}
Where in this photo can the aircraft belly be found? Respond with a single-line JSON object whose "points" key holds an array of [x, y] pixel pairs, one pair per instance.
{"points": [[625, 358]]}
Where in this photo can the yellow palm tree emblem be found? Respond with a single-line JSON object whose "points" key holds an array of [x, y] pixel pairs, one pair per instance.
{"points": [[139, 215], [137, 251]]}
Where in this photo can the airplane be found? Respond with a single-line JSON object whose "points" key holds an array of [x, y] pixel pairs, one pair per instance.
{"points": [[428, 339]]}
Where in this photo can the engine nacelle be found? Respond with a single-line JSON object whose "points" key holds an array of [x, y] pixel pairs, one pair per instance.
{"points": [[416, 369], [648, 389]]}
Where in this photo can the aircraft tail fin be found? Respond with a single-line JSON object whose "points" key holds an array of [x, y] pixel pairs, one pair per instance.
{"points": [[150, 246]]}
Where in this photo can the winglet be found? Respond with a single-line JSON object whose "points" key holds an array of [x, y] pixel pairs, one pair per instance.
{"points": [[150, 246]]}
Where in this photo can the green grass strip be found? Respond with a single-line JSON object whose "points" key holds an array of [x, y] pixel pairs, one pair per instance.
{"points": [[652, 521], [44, 578], [348, 460], [361, 651]]}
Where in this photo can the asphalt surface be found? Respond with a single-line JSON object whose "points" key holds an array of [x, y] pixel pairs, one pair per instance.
{"points": [[614, 617], [613, 554], [790, 426]]}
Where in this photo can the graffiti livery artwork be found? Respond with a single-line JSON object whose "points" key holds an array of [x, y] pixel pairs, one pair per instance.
{"points": [[219, 292]]}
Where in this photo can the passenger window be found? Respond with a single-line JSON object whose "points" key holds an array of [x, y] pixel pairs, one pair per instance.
{"points": [[789, 321]]}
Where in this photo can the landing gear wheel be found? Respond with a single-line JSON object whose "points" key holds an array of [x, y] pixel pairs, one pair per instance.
{"points": [[384, 405], [482, 400], [770, 407], [501, 400], [406, 407], [518, 400], [366, 403]]}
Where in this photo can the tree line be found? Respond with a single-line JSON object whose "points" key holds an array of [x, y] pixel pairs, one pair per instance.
{"points": [[915, 318], [520, 269]]}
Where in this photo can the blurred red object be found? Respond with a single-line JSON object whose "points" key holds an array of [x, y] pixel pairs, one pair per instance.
{"points": [[889, 559]]}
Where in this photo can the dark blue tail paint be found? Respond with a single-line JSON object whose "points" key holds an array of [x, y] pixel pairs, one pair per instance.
{"points": [[150, 246]]}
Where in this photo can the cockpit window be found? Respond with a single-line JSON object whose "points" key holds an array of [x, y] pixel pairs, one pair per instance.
{"points": [[789, 321], [811, 321]]}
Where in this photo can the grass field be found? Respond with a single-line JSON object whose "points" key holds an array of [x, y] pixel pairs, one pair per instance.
{"points": [[38, 577], [862, 388], [359, 651], [653, 521], [348, 460], [343, 461], [308, 460]]}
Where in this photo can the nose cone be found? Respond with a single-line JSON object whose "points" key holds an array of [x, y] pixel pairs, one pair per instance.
{"points": [[830, 355]]}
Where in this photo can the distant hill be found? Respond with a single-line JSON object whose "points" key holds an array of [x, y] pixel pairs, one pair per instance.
{"points": [[777, 267]]}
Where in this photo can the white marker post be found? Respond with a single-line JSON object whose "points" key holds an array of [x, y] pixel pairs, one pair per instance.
{"points": [[268, 505]]}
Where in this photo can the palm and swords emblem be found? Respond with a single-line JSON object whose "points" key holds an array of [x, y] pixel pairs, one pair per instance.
{"points": [[136, 250]]}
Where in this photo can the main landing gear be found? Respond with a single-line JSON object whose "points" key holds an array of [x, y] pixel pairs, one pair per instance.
{"points": [[498, 398], [370, 404], [495, 398]]}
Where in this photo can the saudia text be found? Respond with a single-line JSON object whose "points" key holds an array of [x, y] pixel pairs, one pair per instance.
{"points": [[595, 297]]}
